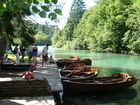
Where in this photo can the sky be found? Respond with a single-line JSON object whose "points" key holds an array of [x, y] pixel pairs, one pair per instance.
{"points": [[65, 13]]}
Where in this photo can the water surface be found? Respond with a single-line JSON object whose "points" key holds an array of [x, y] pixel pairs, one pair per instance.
{"points": [[108, 63]]}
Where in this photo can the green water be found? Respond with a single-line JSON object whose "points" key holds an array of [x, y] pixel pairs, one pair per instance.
{"points": [[108, 63]]}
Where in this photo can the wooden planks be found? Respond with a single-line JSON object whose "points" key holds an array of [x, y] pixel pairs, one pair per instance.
{"points": [[51, 73]]}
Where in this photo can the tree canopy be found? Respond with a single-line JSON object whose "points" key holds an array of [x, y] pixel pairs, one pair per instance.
{"points": [[76, 12], [111, 25], [12, 24]]}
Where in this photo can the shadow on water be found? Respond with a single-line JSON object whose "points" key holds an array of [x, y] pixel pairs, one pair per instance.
{"points": [[106, 71], [121, 97]]}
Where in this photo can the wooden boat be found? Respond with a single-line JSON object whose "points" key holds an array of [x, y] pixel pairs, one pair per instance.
{"points": [[73, 59], [13, 66], [79, 71], [71, 68], [101, 84], [80, 75]]}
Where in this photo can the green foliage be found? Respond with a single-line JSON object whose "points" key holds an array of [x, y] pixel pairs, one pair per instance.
{"points": [[35, 2], [138, 2], [13, 12], [19, 5], [52, 16], [45, 8], [47, 1], [131, 38], [77, 10], [44, 33], [55, 1], [58, 39], [35, 9], [23, 34], [47, 30], [41, 38], [42, 14], [58, 11], [102, 27]]}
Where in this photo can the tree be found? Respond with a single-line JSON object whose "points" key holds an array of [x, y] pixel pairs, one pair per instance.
{"points": [[102, 27], [41, 39], [131, 37], [16, 10], [76, 12], [58, 39]]}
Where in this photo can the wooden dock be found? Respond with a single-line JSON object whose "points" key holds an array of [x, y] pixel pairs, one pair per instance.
{"points": [[49, 73]]}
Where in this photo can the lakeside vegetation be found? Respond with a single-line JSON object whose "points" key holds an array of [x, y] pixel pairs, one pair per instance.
{"points": [[109, 26]]}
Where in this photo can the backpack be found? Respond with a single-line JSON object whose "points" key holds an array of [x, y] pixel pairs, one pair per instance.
{"points": [[15, 50]]}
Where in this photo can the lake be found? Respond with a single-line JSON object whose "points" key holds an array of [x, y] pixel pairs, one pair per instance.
{"points": [[108, 63]]}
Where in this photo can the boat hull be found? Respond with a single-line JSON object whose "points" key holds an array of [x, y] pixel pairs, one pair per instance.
{"points": [[79, 72], [89, 87], [15, 67], [62, 63]]}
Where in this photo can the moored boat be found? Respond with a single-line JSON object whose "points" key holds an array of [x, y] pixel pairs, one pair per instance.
{"points": [[73, 59], [101, 84], [79, 71], [14, 67], [80, 75]]}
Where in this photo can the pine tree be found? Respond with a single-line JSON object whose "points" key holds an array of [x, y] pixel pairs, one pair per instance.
{"points": [[76, 12]]}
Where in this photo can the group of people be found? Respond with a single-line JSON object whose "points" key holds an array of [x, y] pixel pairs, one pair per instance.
{"points": [[32, 51]]}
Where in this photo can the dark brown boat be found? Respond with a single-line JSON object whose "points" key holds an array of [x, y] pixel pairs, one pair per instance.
{"points": [[15, 67], [101, 84], [73, 59], [79, 71], [80, 75]]}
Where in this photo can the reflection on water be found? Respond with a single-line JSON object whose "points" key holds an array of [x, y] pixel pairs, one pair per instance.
{"points": [[121, 98], [108, 64]]}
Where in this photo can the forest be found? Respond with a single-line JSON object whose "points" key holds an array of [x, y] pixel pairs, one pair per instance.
{"points": [[109, 26]]}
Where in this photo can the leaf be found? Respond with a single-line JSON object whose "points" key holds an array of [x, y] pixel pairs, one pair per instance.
{"points": [[54, 1], [45, 8], [47, 1], [35, 9], [138, 1], [52, 16], [42, 14], [4, 5], [35, 2], [29, 1], [58, 11]]}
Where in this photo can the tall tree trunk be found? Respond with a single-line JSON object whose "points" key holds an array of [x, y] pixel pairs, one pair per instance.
{"points": [[3, 42], [2, 48]]}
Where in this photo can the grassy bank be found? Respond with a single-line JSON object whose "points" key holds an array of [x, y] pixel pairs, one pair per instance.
{"points": [[13, 56]]}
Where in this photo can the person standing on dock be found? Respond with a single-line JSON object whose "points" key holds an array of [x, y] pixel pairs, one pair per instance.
{"points": [[45, 54], [17, 53], [22, 50], [34, 53], [30, 49]]}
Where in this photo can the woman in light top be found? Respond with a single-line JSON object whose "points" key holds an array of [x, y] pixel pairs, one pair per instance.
{"points": [[17, 53]]}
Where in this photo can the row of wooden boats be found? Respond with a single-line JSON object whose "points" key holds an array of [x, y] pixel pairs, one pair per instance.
{"points": [[77, 77]]}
